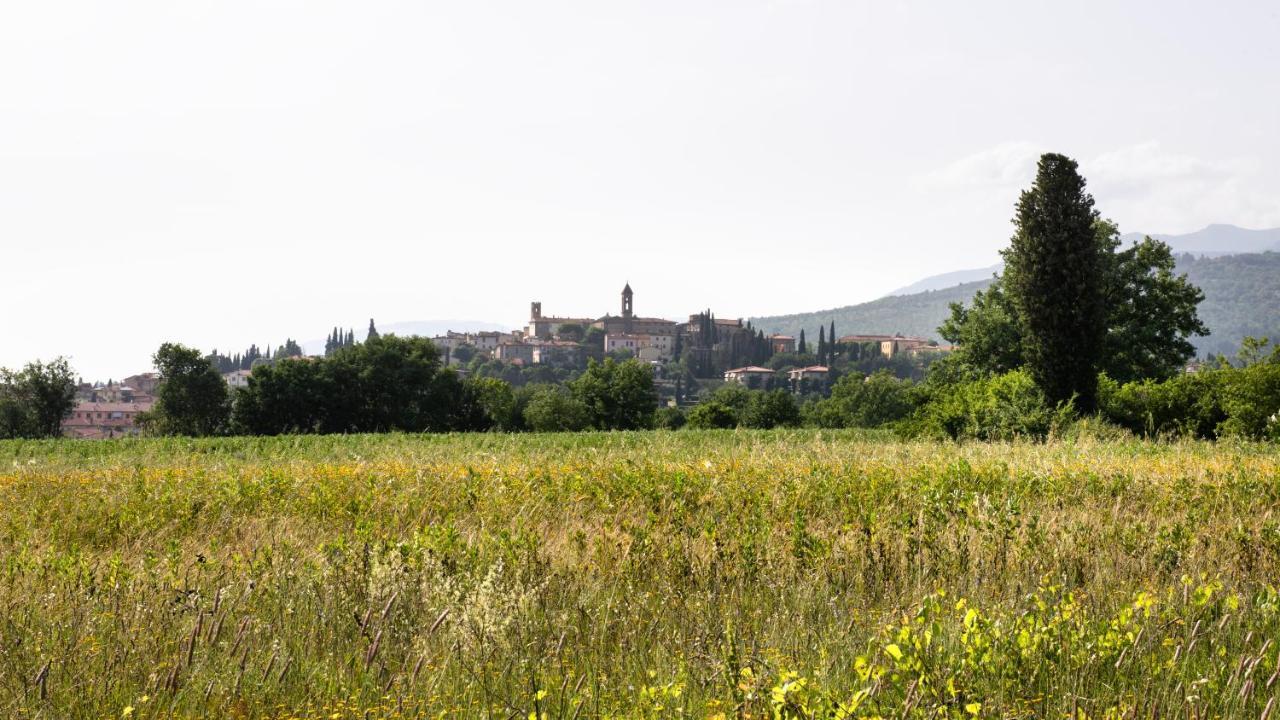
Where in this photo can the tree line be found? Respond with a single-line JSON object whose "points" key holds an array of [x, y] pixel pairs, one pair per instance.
{"points": [[385, 384]]}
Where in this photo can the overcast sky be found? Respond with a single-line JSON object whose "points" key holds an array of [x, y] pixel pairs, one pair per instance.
{"points": [[223, 173]]}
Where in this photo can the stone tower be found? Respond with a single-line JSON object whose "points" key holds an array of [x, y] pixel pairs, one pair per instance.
{"points": [[535, 311], [626, 308]]}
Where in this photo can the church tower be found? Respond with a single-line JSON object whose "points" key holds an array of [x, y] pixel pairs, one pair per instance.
{"points": [[626, 308]]}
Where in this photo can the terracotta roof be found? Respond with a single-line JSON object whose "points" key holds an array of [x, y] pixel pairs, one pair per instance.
{"points": [[749, 369], [111, 407]]}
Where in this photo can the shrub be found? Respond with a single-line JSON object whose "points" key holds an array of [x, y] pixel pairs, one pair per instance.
{"points": [[669, 418], [776, 408], [1000, 407], [1251, 400], [1188, 405], [552, 409], [712, 414], [866, 401]]}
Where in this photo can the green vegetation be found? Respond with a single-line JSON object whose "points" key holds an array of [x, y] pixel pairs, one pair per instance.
{"points": [[34, 400], [691, 574], [1241, 299], [1054, 276]]}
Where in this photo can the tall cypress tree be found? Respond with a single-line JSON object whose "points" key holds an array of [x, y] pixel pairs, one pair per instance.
{"points": [[801, 347], [831, 343], [822, 345], [1054, 276]]}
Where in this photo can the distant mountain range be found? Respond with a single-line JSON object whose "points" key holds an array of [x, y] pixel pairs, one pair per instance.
{"points": [[1212, 241], [1216, 240], [1242, 294]]}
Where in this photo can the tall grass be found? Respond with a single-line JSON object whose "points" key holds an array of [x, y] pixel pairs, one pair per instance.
{"points": [[701, 574]]}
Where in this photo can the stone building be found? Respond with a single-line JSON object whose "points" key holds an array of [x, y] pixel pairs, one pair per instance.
{"points": [[627, 323]]}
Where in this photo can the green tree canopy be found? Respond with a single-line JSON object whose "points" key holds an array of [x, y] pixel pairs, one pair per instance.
{"points": [[1150, 314], [551, 408], [192, 398], [35, 401], [619, 395], [1054, 277]]}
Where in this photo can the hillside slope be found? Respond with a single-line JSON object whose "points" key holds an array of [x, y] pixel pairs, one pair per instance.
{"points": [[1242, 297]]}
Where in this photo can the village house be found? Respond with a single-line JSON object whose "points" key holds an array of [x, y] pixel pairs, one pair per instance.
{"points": [[752, 376], [513, 352], [642, 345], [103, 420], [112, 392], [782, 343], [561, 353], [237, 378], [889, 345], [812, 373]]}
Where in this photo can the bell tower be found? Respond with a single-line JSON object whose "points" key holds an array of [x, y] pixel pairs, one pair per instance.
{"points": [[535, 311], [626, 301]]}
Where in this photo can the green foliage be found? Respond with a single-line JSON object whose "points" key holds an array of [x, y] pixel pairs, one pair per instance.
{"points": [[865, 401], [1242, 298], [617, 395], [997, 407], [551, 408], [1226, 401], [385, 383], [1251, 400], [571, 331], [1151, 312], [496, 402], [770, 409], [711, 415], [192, 398], [987, 332], [1186, 405], [670, 418], [1055, 280], [35, 400], [464, 353]]}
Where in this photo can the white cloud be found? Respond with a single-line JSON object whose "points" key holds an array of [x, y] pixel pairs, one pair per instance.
{"points": [[1148, 188], [1005, 165]]}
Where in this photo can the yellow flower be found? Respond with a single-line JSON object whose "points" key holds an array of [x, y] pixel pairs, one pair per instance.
{"points": [[127, 711]]}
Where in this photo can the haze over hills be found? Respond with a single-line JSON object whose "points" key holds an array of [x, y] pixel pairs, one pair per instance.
{"points": [[1216, 240], [1242, 297], [1212, 241]]}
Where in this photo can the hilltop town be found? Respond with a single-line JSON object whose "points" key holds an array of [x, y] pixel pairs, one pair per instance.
{"points": [[689, 358]]}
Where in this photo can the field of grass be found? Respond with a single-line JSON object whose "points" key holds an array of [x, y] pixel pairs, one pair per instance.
{"points": [[716, 574]]}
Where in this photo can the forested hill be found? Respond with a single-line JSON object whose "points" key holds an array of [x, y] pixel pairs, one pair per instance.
{"points": [[1242, 297]]}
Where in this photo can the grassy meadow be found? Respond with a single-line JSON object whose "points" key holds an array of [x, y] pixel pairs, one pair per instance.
{"points": [[689, 574]]}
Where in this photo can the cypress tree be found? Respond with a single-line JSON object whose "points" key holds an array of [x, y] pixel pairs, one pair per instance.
{"points": [[1054, 276], [373, 332], [822, 345], [801, 347], [831, 343]]}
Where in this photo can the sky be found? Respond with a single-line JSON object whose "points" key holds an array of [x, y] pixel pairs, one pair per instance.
{"points": [[227, 172]]}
